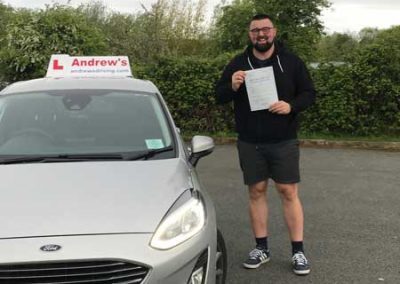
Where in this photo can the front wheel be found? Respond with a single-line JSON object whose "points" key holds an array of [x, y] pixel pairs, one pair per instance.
{"points": [[221, 262]]}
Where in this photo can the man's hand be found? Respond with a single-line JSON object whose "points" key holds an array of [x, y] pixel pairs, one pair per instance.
{"points": [[280, 107], [238, 79]]}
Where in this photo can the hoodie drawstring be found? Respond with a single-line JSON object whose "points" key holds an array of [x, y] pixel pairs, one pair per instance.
{"points": [[251, 65], [279, 63]]}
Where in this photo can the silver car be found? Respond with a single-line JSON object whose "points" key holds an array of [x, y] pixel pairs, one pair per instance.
{"points": [[97, 186]]}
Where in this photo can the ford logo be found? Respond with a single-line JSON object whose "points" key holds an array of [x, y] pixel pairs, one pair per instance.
{"points": [[50, 248]]}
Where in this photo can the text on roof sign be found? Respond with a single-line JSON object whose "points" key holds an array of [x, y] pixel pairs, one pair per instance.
{"points": [[88, 66]]}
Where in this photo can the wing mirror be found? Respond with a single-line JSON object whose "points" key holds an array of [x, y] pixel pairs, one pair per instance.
{"points": [[201, 146]]}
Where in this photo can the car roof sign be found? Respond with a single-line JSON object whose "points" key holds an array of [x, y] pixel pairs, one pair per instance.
{"points": [[62, 65]]}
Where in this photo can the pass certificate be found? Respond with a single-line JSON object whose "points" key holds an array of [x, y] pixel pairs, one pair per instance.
{"points": [[261, 88]]}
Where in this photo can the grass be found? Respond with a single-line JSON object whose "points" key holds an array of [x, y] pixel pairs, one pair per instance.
{"points": [[347, 137], [320, 136]]}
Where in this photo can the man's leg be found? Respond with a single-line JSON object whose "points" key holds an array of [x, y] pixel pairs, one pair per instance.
{"points": [[294, 218], [258, 209], [255, 175], [292, 210]]}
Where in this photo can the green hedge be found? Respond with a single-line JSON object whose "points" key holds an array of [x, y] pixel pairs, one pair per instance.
{"points": [[334, 111], [187, 85], [32, 36], [361, 98]]}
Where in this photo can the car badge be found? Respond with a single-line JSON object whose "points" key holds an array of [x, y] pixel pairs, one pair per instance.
{"points": [[50, 248]]}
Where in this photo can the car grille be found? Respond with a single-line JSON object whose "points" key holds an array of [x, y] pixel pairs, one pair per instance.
{"points": [[101, 272]]}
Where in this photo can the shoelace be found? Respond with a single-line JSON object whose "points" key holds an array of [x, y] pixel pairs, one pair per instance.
{"points": [[300, 259], [255, 253]]}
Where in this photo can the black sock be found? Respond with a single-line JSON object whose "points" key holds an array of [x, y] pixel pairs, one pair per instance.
{"points": [[262, 243], [297, 247]]}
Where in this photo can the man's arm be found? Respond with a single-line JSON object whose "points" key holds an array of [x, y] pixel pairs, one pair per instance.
{"points": [[228, 85]]}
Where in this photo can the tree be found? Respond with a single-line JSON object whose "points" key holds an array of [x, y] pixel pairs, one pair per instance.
{"points": [[230, 27], [297, 21], [96, 12], [170, 28], [336, 47], [366, 35], [32, 36], [166, 28], [5, 16]]}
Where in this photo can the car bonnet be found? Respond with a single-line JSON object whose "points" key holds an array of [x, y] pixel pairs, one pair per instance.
{"points": [[51, 199]]}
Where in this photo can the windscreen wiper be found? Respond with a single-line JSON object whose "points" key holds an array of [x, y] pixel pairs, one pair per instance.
{"points": [[83, 157], [147, 154], [59, 158]]}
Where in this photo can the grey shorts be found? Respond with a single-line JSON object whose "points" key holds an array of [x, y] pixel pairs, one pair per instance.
{"points": [[278, 161]]}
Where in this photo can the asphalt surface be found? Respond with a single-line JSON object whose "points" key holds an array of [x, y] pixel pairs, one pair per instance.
{"points": [[351, 201]]}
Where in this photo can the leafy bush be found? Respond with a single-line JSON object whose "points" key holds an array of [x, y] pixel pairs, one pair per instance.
{"points": [[335, 108], [361, 97], [187, 85], [376, 90], [32, 36]]}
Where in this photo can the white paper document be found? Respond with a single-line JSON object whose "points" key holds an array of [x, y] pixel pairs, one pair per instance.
{"points": [[261, 88]]}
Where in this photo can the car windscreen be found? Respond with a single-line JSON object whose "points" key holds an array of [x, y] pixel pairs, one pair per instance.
{"points": [[83, 122]]}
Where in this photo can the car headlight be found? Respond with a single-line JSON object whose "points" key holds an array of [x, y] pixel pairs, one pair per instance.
{"points": [[180, 225]]}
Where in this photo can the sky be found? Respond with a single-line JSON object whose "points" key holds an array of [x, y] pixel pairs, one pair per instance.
{"points": [[343, 16]]}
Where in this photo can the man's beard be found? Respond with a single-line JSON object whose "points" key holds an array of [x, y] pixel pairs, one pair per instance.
{"points": [[263, 47]]}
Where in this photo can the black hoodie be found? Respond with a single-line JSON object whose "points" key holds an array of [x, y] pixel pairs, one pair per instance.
{"points": [[293, 84]]}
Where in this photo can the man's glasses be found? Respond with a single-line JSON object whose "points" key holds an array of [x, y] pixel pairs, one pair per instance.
{"points": [[265, 30]]}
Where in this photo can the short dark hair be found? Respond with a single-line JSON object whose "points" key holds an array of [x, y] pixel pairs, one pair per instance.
{"points": [[261, 17]]}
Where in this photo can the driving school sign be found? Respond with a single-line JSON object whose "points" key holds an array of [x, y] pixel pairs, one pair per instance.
{"points": [[61, 65]]}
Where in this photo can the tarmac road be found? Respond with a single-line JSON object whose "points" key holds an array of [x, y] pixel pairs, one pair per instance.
{"points": [[351, 200]]}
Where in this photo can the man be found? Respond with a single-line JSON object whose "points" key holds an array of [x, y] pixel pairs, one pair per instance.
{"points": [[267, 139]]}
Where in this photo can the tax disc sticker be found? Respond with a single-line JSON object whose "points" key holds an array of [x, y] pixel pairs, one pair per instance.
{"points": [[154, 144]]}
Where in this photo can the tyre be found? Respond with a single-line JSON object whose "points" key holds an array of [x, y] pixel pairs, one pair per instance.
{"points": [[221, 260]]}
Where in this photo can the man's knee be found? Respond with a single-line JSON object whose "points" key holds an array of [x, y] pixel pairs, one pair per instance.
{"points": [[289, 192], [257, 190]]}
